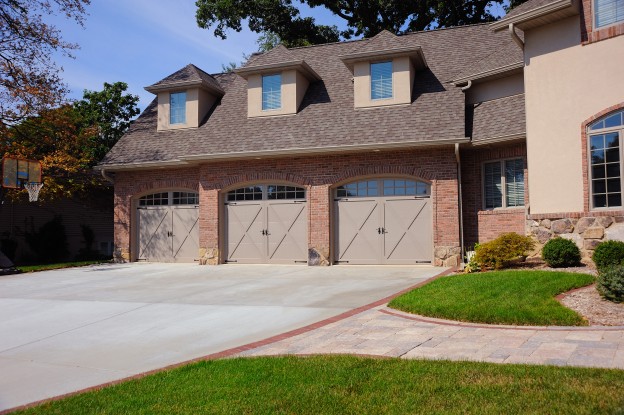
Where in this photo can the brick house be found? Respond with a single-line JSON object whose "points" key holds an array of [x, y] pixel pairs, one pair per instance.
{"points": [[389, 150]]}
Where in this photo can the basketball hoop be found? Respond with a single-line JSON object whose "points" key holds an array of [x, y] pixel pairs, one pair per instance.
{"points": [[33, 190]]}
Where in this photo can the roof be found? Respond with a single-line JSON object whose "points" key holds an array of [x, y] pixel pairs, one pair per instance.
{"points": [[510, 119], [327, 119], [535, 13], [506, 59], [527, 7], [189, 75]]}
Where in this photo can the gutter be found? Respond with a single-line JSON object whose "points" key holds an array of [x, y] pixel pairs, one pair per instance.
{"points": [[106, 176], [532, 14], [488, 74], [461, 209]]}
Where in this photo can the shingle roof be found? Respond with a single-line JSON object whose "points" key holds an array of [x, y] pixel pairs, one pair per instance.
{"points": [[499, 118], [506, 55], [528, 6], [382, 41], [326, 116], [190, 73]]}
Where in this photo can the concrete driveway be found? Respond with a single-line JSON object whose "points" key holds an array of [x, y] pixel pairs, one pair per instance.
{"points": [[65, 330]]}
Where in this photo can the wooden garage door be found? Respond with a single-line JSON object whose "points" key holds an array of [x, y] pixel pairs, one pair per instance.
{"points": [[168, 228], [383, 221], [266, 224]]}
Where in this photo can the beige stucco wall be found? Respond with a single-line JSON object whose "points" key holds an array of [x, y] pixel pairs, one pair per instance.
{"points": [[294, 86], [498, 88], [198, 103], [565, 84], [402, 81]]}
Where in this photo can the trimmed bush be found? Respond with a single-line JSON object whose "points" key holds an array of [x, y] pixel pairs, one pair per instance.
{"points": [[501, 251], [608, 253], [560, 252], [610, 283]]}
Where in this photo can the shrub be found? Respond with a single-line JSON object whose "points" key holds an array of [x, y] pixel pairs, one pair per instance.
{"points": [[610, 283], [501, 251], [560, 252], [608, 253]]}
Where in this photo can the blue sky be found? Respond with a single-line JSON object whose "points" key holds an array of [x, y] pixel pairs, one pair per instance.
{"points": [[142, 41]]}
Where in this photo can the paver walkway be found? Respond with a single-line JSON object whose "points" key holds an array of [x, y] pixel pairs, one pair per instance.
{"points": [[382, 331]]}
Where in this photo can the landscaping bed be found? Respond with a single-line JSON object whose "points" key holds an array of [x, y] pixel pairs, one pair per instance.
{"points": [[350, 385], [61, 265]]}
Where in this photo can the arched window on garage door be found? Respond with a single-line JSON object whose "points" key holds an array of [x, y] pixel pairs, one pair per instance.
{"points": [[167, 226], [383, 221], [266, 223]]}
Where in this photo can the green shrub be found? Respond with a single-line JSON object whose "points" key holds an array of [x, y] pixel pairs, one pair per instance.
{"points": [[608, 253], [560, 252], [610, 283], [501, 251]]}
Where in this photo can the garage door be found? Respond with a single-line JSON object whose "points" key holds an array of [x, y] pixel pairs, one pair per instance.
{"points": [[383, 221], [266, 224], [168, 229]]}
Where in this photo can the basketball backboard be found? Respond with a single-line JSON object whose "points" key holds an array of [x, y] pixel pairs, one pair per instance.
{"points": [[18, 172]]}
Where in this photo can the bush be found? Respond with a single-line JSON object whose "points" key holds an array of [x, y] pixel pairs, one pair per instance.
{"points": [[560, 252], [610, 283], [608, 253], [501, 251]]}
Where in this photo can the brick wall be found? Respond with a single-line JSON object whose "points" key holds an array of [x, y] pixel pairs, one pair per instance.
{"points": [[481, 225], [318, 174]]}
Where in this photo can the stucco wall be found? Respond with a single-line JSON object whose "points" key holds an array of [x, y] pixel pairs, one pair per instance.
{"points": [[565, 83], [498, 88], [402, 81], [293, 89]]}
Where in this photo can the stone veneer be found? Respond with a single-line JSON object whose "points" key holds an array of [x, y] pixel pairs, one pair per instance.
{"points": [[586, 231]]}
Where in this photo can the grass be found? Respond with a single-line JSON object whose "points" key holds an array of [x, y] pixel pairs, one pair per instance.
{"points": [[47, 267], [353, 385], [502, 297]]}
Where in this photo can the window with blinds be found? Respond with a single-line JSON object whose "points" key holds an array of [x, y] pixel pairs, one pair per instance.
{"points": [[608, 12], [503, 184], [271, 92], [381, 80], [177, 108]]}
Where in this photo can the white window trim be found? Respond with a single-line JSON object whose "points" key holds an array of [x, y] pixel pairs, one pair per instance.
{"points": [[589, 133], [503, 184], [262, 92], [370, 66], [594, 26]]}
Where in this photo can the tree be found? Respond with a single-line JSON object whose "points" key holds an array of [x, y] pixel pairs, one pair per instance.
{"points": [[110, 111], [363, 18], [29, 78]]}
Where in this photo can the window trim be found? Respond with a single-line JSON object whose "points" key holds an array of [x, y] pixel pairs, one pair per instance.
{"points": [[589, 133], [370, 66], [281, 101], [503, 184], [595, 27], [170, 106]]}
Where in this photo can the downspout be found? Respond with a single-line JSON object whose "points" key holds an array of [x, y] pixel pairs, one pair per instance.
{"points": [[515, 37], [107, 177], [468, 85], [461, 210]]}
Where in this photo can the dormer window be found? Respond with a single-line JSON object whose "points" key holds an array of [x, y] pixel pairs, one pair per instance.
{"points": [[271, 92], [177, 108], [381, 80], [608, 12]]}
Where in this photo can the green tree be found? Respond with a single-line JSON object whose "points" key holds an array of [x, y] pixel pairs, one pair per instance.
{"points": [[362, 18], [29, 77], [110, 112]]}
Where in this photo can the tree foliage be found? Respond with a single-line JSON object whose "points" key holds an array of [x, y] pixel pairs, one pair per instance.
{"points": [[69, 140], [362, 18], [29, 78]]}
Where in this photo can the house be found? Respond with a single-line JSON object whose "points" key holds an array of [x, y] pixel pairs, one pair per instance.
{"points": [[389, 150]]}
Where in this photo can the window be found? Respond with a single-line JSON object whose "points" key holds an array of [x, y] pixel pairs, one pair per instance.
{"points": [[503, 183], [264, 192], [608, 12], [271, 92], [177, 108], [170, 198], [605, 154], [383, 187], [381, 80]]}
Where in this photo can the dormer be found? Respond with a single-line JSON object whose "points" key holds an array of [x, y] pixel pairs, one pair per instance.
{"points": [[383, 71], [276, 83], [185, 98]]}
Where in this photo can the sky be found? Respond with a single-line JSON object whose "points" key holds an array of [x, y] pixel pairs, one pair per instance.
{"points": [[142, 41]]}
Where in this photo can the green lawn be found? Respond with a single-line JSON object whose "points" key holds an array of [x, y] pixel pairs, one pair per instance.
{"points": [[46, 267], [502, 297], [352, 385]]}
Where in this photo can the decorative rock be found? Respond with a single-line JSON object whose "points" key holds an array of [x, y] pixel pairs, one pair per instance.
{"points": [[452, 261], [440, 252], [604, 221], [316, 258], [546, 223], [594, 232], [562, 226], [591, 244], [574, 237], [542, 235], [455, 250], [615, 232], [584, 223]]}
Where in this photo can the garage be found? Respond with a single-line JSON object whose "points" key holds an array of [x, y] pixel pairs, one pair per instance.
{"points": [[167, 227], [383, 221], [266, 224]]}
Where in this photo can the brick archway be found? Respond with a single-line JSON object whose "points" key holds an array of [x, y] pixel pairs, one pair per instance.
{"points": [[353, 173], [263, 177]]}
